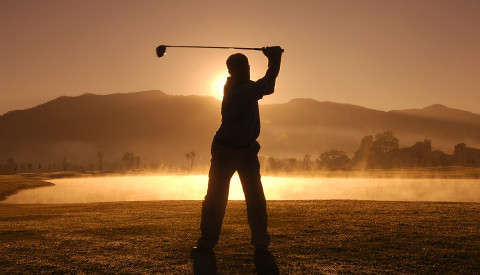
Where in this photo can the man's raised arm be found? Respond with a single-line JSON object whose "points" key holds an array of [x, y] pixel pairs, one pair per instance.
{"points": [[274, 55]]}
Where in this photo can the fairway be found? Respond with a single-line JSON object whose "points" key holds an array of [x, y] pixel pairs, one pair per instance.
{"points": [[308, 237]]}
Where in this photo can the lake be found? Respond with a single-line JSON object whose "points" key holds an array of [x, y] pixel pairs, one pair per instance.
{"points": [[193, 187]]}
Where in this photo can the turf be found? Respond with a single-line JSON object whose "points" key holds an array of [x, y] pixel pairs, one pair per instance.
{"points": [[308, 237]]}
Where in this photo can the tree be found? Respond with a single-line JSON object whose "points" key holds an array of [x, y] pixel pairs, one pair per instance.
{"points": [[306, 162], [137, 162], [384, 147], [335, 159], [466, 156], [421, 152], [362, 155], [274, 164], [100, 160], [128, 160], [64, 163], [190, 158], [439, 158], [417, 155], [378, 152], [11, 166], [291, 164]]}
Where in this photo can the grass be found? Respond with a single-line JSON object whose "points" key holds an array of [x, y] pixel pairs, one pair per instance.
{"points": [[308, 237], [11, 184]]}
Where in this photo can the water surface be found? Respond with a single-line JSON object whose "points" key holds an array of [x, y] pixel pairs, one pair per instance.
{"points": [[193, 187]]}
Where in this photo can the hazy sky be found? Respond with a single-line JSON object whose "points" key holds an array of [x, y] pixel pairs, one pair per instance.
{"points": [[378, 54]]}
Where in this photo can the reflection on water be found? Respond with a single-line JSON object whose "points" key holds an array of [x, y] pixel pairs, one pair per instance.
{"points": [[143, 188]]}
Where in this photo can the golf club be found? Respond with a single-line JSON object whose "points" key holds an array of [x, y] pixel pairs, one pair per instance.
{"points": [[162, 48]]}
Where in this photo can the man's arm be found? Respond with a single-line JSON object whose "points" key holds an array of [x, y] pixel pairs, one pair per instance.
{"points": [[274, 55]]}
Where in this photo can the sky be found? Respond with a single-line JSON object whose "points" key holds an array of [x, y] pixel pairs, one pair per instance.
{"points": [[381, 54]]}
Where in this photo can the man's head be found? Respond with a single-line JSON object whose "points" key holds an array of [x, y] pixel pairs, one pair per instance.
{"points": [[238, 67]]}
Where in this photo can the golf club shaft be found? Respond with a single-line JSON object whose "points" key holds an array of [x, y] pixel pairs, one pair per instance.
{"points": [[215, 47]]}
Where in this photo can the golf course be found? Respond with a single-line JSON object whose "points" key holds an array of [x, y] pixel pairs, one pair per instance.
{"points": [[239, 137], [308, 237]]}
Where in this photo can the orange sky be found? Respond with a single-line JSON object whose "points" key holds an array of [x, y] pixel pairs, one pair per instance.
{"points": [[378, 54]]}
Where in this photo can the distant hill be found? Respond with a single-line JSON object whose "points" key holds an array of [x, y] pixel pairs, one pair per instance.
{"points": [[161, 127], [150, 124], [441, 112], [311, 126]]}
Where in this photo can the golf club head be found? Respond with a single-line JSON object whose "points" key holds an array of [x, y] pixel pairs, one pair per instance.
{"points": [[161, 50]]}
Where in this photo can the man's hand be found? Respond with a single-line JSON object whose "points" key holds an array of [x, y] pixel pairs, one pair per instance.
{"points": [[272, 52]]}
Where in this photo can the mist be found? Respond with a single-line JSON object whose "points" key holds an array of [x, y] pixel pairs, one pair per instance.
{"points": [[193, 187]]}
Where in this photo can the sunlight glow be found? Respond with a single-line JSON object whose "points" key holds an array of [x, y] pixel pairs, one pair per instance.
{"points": [[218, 83], [194, 187]]}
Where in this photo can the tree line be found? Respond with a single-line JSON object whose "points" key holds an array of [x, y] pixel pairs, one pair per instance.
{"points": [[379, 151], [127, 162]]}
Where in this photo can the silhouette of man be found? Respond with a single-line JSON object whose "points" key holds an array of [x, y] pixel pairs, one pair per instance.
{"points": [[235, 148]]}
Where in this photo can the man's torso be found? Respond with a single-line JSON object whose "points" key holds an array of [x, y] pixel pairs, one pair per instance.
{"points": [[240, 115]]}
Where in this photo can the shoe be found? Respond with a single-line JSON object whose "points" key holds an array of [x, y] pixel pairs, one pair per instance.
{"points": [[204, 261], [198, 251], [265, 262]]}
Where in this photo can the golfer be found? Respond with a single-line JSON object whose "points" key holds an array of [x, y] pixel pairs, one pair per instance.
{"points": [[235, 148]]}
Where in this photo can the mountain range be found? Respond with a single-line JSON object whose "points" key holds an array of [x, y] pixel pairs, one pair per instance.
{"points": [[161, 127]]}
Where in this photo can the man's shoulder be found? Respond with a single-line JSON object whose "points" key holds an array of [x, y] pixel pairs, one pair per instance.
{"points": [[248, 84], [259, 83], [251, 90]]}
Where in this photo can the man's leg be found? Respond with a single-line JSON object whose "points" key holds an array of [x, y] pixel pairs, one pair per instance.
{"points": [[249, 173], [213, 207]]}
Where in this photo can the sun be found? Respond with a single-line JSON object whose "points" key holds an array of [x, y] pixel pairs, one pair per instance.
{"points": [[217, 84]]}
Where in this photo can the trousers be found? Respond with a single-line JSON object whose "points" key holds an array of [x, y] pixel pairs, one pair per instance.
{"points": [[224, 163]]}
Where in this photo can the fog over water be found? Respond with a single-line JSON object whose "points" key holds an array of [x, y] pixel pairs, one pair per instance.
{"points": [[193, 187]]}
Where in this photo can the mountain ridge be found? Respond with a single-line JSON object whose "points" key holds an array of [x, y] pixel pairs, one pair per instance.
{"points": [[435, 106], [156, 125]]}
